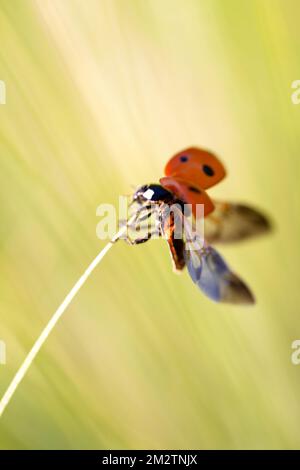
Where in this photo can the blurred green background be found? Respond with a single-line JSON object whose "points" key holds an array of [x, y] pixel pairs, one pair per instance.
{"points": [[100, 93]]}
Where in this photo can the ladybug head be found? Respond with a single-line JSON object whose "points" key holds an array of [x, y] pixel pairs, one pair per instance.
{"points": [[152, 193]]}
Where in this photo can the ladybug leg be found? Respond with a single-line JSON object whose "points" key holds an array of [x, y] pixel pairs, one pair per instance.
{"points": [[133, 222], [155, 231], [139, 241], [149, 210], [147, 215], [143, 214], [139, 217]]}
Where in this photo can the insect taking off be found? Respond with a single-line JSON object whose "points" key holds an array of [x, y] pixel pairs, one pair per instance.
{"points": [[188, 175]]}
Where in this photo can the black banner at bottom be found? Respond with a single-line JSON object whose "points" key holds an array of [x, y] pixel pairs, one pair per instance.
{"points": [[137, 458]]}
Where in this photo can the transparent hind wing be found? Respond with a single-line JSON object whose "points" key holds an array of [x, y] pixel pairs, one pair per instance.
{"points": [[232, 222], [211, 273]]}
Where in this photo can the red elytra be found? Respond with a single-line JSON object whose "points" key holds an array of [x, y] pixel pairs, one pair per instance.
{"points": [[200, 167], [189, 193], [189, 173]]}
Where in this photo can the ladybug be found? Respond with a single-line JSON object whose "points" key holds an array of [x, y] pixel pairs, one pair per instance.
{"points": [[188, 176]]}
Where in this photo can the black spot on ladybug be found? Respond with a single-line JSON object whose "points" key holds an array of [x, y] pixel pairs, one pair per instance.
{"points": [[184, 158], [194, 190], [208, 170]]}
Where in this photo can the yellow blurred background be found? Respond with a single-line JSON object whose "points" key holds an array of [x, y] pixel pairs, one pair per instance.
{"points": [[100, 93]]}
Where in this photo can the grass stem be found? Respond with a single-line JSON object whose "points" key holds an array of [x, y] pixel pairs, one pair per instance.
{"points": [[53, 321]]}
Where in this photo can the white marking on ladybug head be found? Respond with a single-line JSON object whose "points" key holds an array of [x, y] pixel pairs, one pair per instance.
{"points": [[148, 194]]}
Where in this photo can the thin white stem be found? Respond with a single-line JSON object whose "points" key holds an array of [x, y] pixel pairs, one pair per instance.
{"points": [[54, 319]]}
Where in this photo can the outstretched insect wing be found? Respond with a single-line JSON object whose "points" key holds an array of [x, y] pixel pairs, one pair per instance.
{"points": [[212, 275], [232, 222]]}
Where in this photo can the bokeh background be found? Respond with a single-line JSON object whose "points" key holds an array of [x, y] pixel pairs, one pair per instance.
{"points": [[100, 93]]}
